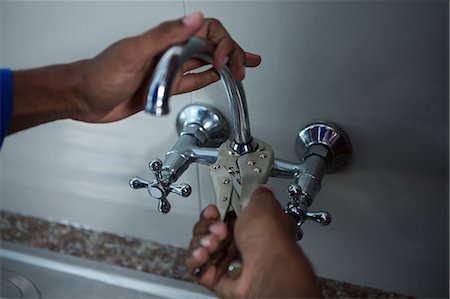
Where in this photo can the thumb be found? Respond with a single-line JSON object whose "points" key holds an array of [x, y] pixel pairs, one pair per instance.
{"points": [[263, 201], [160, 38], [262, 216]]}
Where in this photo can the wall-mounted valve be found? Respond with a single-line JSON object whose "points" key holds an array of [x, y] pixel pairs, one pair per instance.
{"points": [[238, 165], [298, 208], [198, 126], [323, 147], [161, 186]]}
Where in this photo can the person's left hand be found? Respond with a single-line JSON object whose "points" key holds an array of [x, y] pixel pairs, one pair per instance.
{"points": [[273, 265], [114, 84]]}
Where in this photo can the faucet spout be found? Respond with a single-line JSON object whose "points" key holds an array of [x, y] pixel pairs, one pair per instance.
{"points": [[164, 75]]}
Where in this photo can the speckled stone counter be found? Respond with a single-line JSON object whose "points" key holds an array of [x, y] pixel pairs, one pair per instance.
{"points": [[132, 253]]}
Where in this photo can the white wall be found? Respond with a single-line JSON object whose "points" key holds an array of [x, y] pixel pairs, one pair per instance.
{"points": [[379, 69]]}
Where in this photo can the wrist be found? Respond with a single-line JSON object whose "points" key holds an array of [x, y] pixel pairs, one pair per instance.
{"points": [[44, 94]]}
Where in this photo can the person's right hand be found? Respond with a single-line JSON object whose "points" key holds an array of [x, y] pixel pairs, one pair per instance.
{"points": [[114, 84], [273, 265]]}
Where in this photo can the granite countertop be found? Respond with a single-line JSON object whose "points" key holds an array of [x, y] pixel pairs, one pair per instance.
{"points": [[133, 253]]}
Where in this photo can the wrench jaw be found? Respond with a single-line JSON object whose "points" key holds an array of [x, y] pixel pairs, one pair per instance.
{"points": [[235, 177]]}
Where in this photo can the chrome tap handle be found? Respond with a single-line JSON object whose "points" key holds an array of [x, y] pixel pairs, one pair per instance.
{"points": [[138, 183], [295, 192], [161, 186], [322, 217], [156, 166], [181, 189], [164, 205], [298, 208]]}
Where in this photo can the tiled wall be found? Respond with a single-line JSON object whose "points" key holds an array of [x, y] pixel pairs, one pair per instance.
{"points": [[376, 68]]}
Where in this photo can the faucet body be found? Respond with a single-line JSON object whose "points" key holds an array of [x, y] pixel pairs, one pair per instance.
{"points": [[322, 147], [166, 71]]}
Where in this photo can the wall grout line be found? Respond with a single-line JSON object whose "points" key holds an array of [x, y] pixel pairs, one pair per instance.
{"points": [[197, 168], [184, 7]]}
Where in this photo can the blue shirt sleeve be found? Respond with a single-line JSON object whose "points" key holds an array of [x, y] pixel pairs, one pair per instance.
{"points": [[6, 99]]}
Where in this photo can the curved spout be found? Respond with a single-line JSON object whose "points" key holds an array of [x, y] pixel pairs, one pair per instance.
{"points": [[164, 75]]}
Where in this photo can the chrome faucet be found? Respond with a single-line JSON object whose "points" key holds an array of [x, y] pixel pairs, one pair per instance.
{"points": [[239, 165], [166, 71]]}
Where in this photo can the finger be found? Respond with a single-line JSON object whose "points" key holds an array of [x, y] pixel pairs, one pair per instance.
{"points": [[219, 229], [263, 199], [225, 45], [228, 51], [252, 60], [202, 226], [223, 52], [202, 270], [237, 63], [210, 212], [204, 274], [208, 216], [227, 251], [210, 242], [192, 64], [230, 255], [264, 205], [196, 81], [195, 258], [155, 41], [195, 243]]}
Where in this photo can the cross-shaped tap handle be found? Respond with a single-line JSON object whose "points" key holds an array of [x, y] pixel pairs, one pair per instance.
{"points": [[160, 187], [298, 208]]}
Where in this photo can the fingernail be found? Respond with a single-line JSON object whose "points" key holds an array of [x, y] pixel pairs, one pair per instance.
{"points": [[215, 228], [196, 253], [205, 241], [192, 19]]}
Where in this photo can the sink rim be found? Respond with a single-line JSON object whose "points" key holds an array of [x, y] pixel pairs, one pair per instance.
{"points": [[109, 274]]}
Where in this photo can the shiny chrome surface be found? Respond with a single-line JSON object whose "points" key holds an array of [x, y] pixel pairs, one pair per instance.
{"points": [[284, 169], [319, 145], [310, 176], [298, 206], [322, 147], [164, 75], [323, 218], [330, 136], [198, 126], [160, 186], [166, 71], [212, 123], [205, 156]]}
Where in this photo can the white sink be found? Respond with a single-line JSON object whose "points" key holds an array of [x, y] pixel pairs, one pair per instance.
{"points": [[34, 273]]}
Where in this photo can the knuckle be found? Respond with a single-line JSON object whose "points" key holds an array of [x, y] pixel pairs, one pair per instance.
{"points": [[164, 30], [196, 228], [214, 22]]}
